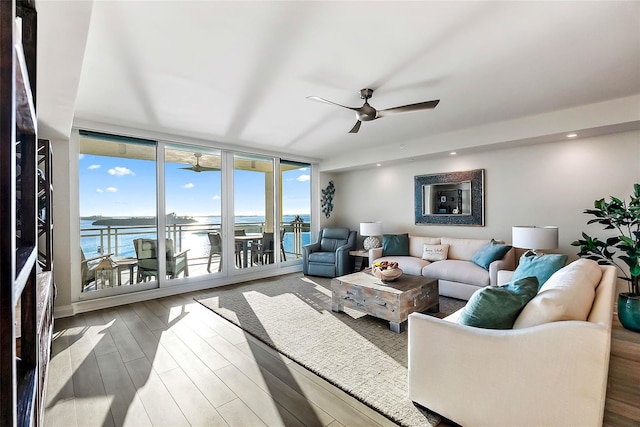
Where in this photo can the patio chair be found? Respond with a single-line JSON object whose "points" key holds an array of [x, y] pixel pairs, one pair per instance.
{"points": [[239, 245], [215, 242], [263, 251], [284, 255], [146, 252]]}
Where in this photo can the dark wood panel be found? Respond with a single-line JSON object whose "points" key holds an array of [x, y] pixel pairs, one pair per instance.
{"points": [[22, 379]]}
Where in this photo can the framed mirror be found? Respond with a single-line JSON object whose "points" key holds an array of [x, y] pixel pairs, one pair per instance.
{"points": [[454, 198]]}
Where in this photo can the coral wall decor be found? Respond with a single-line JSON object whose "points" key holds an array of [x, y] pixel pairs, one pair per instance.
{"points": [[327, 199]]}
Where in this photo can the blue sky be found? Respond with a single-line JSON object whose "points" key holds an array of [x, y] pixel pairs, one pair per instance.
{"points": [[115, 186]]}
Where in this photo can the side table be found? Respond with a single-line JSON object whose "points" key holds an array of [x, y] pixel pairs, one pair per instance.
{"points": [[362, 259]]}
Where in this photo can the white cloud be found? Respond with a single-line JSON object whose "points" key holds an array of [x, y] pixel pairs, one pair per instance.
{"points": [[216, 197], [189, 185], [98, 190], [303, 178], [80, 156], [111, 189], [93, 167], [120, 171]]}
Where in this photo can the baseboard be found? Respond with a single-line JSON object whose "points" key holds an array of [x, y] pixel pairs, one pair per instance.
{"points": [[63, 311]]}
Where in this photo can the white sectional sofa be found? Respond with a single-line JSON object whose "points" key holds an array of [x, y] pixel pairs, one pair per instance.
{"points": [[547, 371], [457, 276]]}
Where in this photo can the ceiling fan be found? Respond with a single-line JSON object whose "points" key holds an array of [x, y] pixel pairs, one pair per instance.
{"points": [[367, 113], [197, 167]]}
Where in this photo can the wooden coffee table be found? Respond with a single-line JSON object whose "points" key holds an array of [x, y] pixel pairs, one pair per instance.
{"points": [[392, 301]]}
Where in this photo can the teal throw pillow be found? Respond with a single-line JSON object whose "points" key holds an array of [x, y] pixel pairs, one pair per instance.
{"points": [[498, 307], [490, 252], [395, 244], [542, 266]]}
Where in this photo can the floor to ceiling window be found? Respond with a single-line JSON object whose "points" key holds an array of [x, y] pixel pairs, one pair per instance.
{"points": [[253, 199], [295, 209], [193, 200], [156, 213], [117, 186]]}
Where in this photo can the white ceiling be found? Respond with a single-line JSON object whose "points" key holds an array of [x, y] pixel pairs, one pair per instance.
{"points": [[238, 72]]}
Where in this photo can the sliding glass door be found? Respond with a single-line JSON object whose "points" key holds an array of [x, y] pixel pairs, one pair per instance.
{"points": [[193, 202], [161, 213], [272, 213], [254, 222], [295, 209], [117, 195]]}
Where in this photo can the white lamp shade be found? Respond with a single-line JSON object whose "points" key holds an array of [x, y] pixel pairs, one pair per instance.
{"points": [[532, 237], [370, 228]]}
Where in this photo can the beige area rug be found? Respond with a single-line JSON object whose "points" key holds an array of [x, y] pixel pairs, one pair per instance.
{"points": [[356, 352]]}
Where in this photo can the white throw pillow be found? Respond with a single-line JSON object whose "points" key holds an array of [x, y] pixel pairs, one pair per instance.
{"points": [[435, 252], [567, 295]]}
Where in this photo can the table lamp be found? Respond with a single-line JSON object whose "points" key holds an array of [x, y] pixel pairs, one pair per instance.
{"points": [[372, 230], [534, 238]]}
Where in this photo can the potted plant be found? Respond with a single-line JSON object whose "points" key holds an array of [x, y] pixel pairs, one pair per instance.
{"points": [[623, 217]]}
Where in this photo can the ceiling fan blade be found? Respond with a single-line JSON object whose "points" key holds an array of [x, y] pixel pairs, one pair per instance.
{"points": [[326, 101], [198, 168], [356, 127], [408, 108]]}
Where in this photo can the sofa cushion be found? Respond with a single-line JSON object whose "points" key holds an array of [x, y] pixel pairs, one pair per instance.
{"points": [[497, 307], [408, 264], [395, 244], [435, 252], [416, 244], [462, 249], [457, 271], [491, 251], [541, 266], [567, 295]]}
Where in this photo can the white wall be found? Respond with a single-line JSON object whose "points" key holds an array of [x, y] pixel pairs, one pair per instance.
{"points": [[64, 196], [543, 184], [335, 215]]}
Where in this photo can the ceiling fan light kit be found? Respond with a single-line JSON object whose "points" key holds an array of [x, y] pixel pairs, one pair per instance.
{"points": [[366, 113]]}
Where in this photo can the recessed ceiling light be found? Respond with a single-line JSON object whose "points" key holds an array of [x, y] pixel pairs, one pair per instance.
{"points": [[453, 153], [378, 164], [572, 135]]}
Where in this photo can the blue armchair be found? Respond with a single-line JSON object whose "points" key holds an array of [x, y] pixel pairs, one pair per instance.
{"points": [[329, 256]]}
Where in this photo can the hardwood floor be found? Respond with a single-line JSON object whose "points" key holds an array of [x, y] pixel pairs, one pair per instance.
{"points": [[172, 362], [622, 407]]}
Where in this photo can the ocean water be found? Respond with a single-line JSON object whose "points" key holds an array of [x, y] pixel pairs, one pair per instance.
{"points": [[96, 240]]}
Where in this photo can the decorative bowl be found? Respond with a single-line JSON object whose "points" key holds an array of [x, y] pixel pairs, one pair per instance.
{"points": [[387, 274]]}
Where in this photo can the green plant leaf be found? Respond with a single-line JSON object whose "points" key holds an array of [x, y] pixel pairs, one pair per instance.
{"points": [[612, 241], [627, 241], [616, 200], [615, 214], [635, 270]]}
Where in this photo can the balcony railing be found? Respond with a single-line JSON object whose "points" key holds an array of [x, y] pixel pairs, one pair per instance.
{"points": [[118, 240]]}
